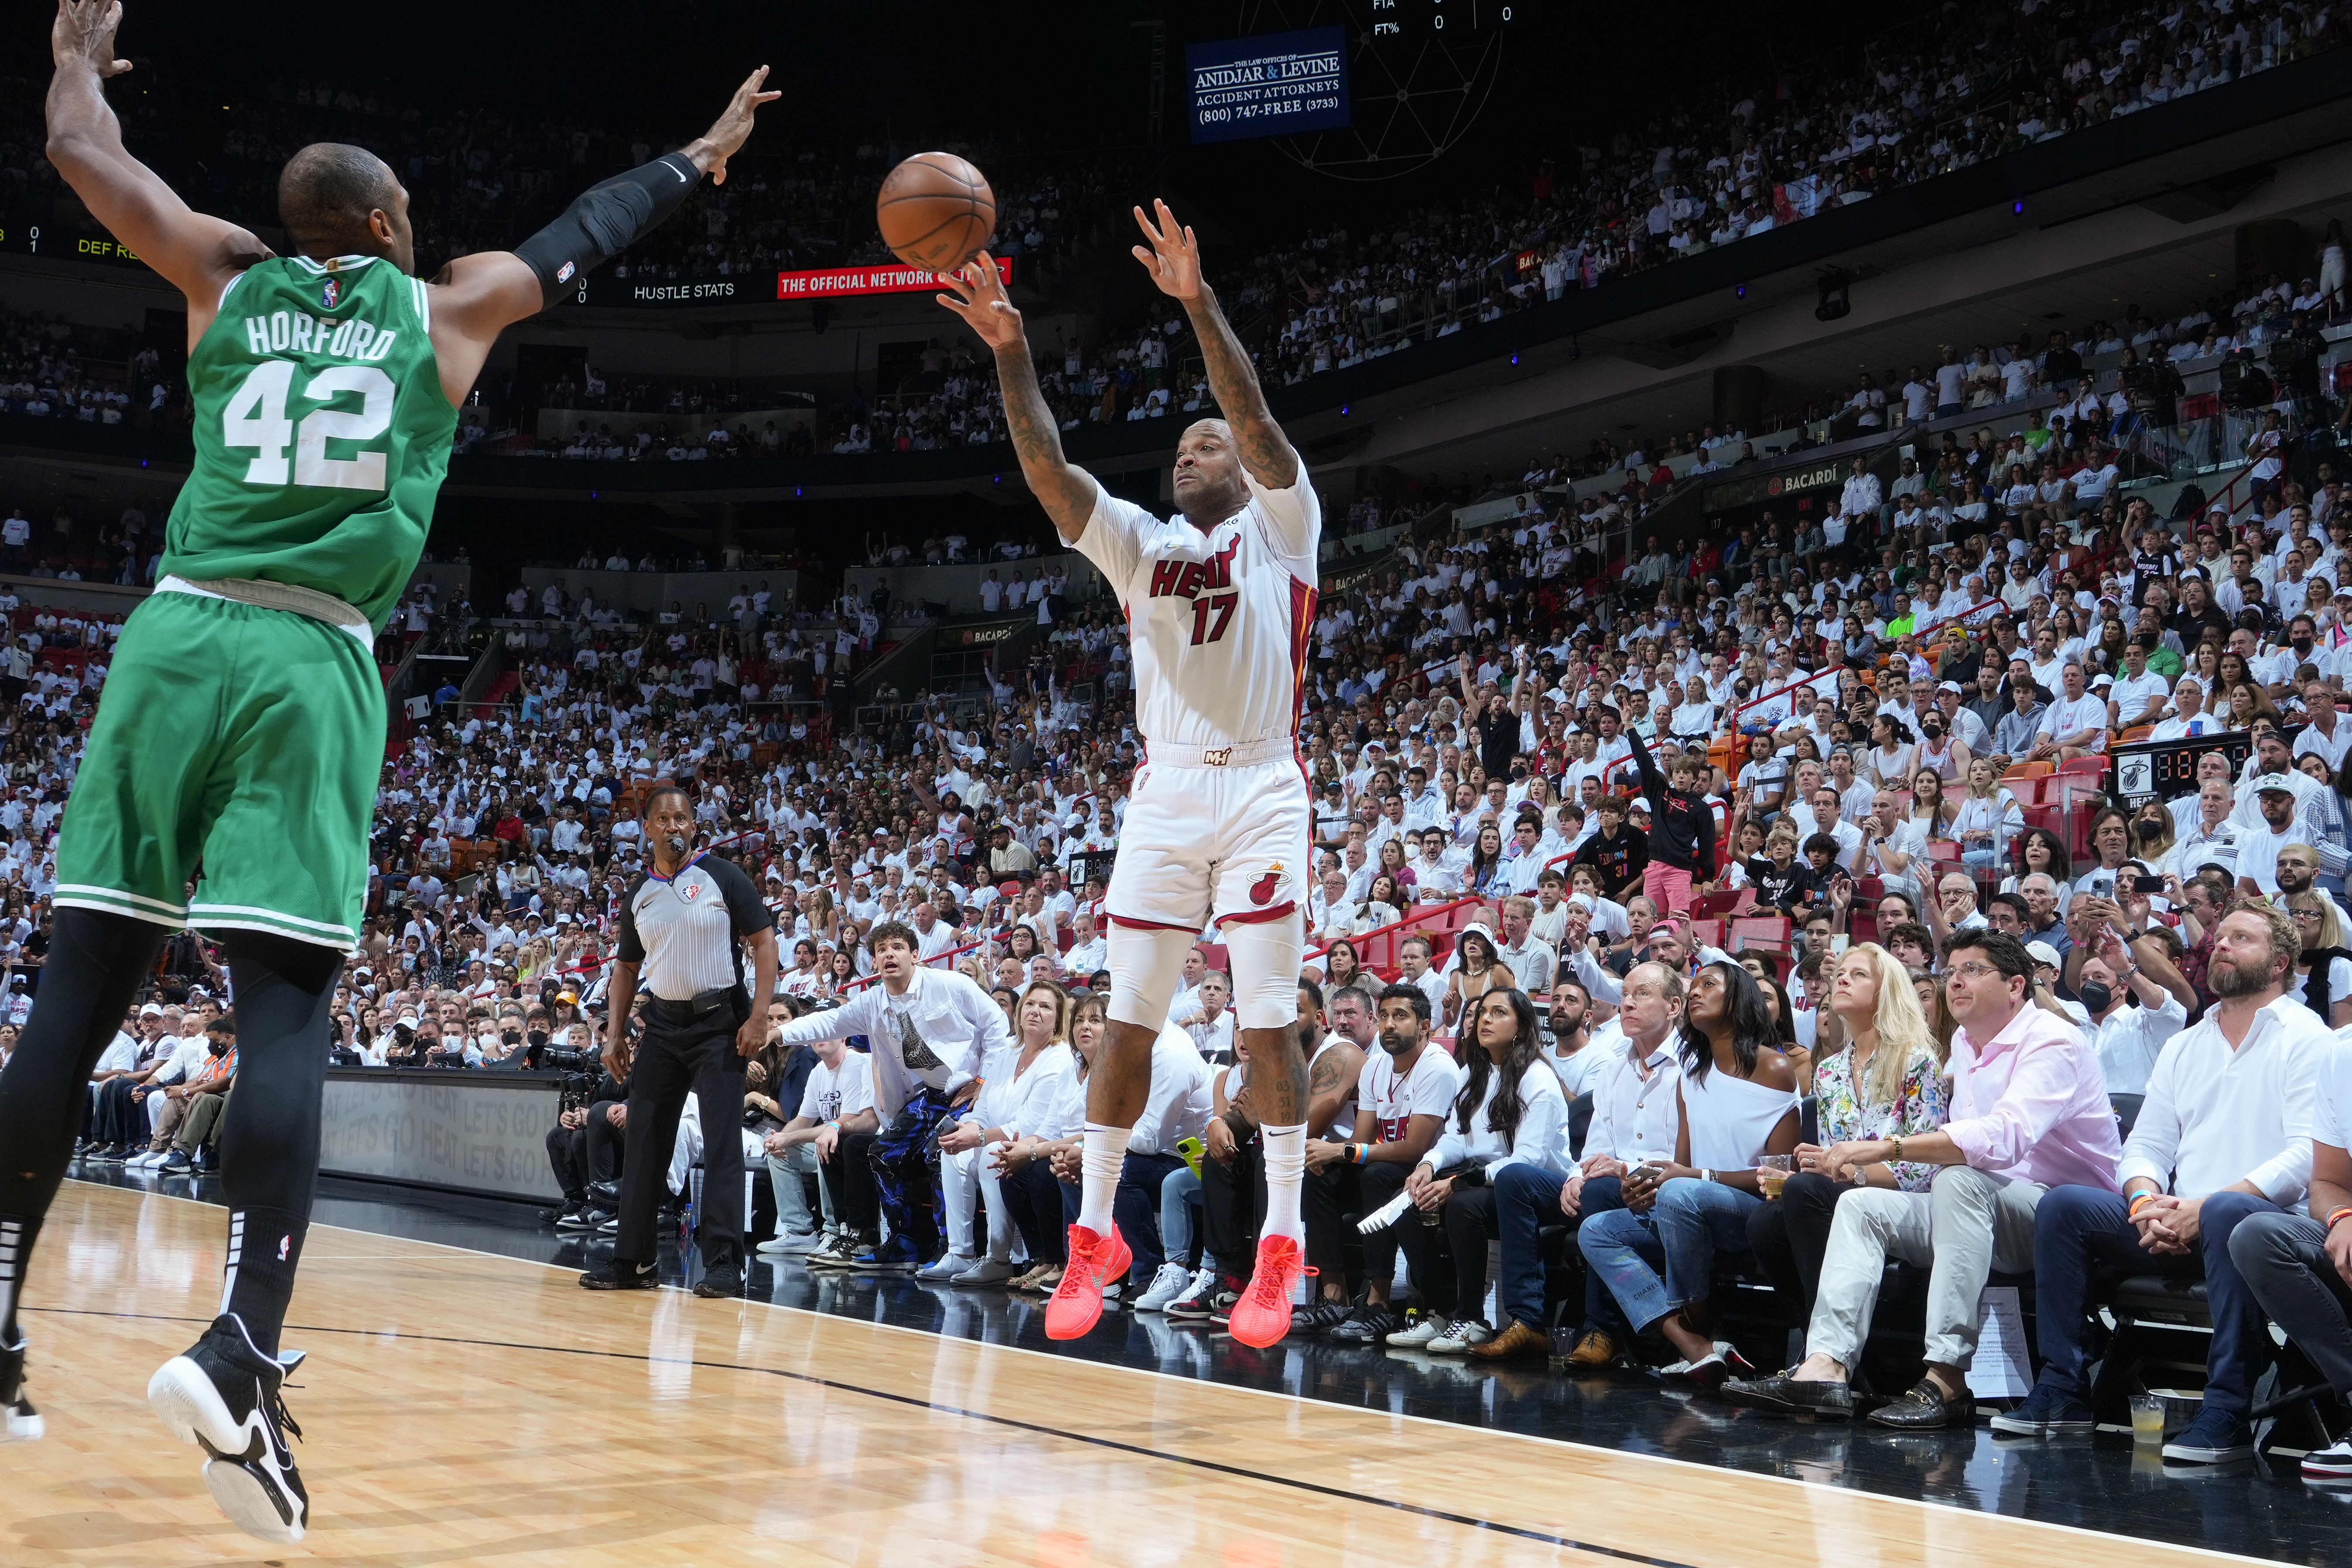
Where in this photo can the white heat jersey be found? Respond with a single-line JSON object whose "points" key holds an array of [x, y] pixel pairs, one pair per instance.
{"points": [[1219, 622]]}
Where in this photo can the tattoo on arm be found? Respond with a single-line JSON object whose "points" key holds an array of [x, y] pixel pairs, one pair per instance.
{"points": [[1265, 452], [1067, 493], [1326, 1077]]}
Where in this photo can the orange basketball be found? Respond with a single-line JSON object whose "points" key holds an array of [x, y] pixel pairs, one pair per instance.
{"points": [[935, 210]]}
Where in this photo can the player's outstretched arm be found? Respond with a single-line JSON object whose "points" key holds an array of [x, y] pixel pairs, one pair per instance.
{"points": [[476, 297], [197, 253], [1066, 491], [1173, 260]]}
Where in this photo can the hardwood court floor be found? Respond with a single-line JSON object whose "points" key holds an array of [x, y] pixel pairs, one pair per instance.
{"points": [[465, 1408]]}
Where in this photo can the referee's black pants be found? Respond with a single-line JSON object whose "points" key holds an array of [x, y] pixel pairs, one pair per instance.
{"points": [[672, 1061]]}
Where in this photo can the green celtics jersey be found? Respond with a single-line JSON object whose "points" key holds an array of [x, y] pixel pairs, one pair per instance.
{"points": [[321, 433]]}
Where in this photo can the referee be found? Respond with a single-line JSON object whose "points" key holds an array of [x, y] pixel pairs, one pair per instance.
{"points": [[685, 923]]}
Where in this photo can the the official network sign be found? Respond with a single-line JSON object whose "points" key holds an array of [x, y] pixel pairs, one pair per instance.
{"points": [[834, 282]]}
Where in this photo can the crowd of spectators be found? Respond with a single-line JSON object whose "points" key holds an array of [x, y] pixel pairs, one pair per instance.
{"points": [[1553, 770], [1967, 84]]}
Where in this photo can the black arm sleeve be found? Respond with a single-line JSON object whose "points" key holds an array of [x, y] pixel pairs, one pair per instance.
{"points": [[607, 219]]}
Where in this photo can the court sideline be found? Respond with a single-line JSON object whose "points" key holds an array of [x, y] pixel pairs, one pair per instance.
{"points": [[463, 1407]]}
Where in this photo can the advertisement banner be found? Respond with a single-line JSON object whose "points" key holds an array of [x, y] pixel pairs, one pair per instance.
{"points": [[1273, 85], [606, 291], [892, 277]]}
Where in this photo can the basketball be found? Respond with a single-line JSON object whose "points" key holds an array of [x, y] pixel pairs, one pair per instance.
{"points": [[935, 210]]}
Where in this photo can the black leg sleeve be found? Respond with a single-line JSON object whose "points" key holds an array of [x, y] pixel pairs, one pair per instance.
{"points": [[95, 966], [269, 1133]]}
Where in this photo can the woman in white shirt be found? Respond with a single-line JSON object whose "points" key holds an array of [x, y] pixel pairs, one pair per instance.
{"points": [[2322, 930], [1988, 817], [1893, 755], [1510, 1110], [1024, 1165], [1020, 1086]]}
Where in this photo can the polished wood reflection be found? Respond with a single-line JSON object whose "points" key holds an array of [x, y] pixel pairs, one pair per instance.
{"points": [[463, 1408]]}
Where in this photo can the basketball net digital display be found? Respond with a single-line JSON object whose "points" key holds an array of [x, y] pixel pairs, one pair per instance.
{"points": [[1274, 84], [894, 277]]}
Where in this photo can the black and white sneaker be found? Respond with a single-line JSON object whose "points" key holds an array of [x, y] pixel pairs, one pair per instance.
{"points": [[617, 1275], [19, 1422], [224, 1394], [581, 1218]]}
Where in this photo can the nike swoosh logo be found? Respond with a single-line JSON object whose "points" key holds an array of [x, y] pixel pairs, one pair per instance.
{"points": [[674, 169]]}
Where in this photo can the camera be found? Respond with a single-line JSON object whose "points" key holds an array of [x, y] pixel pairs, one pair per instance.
{"points": [[563, 1059]]}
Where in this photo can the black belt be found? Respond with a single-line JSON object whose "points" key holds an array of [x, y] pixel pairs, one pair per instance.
{"points": [[693, 1011]]}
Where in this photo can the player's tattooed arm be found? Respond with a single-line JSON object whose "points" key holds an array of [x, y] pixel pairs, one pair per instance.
{"points": [[1173, 258], [1067, 492]]}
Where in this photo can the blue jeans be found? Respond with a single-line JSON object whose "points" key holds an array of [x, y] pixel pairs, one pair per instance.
{"points": [[2075, 1229], [1179, 1195], [1136, 1208], [1526, 1199], [1653, 1263]]}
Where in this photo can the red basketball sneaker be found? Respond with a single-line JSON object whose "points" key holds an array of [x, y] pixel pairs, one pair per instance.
{"points": [[1075, 1305], [1263, 1314]]}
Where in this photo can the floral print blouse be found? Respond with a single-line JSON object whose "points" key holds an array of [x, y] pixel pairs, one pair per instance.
{"points": [[1922, 1107]]}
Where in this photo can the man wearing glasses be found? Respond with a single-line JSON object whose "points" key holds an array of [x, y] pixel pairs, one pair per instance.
{"points": [[2028, 1112]]}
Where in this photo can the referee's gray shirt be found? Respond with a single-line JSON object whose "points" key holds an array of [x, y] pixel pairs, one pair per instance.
{"points": [[683, 929]]}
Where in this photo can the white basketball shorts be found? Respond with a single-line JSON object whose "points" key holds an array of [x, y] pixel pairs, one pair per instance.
{"points": [[1230, 843]]}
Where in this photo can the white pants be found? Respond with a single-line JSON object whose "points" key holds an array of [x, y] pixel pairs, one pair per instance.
{"points": [[688, 1149], [958, 1174], [1968, 1225]]}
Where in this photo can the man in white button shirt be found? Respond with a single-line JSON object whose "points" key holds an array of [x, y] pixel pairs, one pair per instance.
{"points": [[1529, 961], [2225, 1133], [1634, 1114], [2327, 736], [1211, 1022], [2128, 1039]]}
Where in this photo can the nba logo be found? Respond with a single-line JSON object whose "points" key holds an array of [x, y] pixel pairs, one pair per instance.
{"points": [[329, 291], [689, 891]]}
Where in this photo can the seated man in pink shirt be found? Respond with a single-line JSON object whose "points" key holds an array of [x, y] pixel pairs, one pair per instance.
{"points": [[2029, 1111]]}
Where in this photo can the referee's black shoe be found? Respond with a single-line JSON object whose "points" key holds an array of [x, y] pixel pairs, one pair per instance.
{"points": [[724, 1280], [619, 1275], [223, 1393]]}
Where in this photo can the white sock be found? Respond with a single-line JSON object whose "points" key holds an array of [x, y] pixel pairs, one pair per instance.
{"points": [[1286, 1168], [1104, 1157]]}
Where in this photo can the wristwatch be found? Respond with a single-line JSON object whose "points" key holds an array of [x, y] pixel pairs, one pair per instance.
{"points": [[1860, 1177], [1704, 1175]]}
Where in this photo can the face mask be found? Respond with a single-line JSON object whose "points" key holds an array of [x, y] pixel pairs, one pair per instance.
{"points": [[2097, 998]]}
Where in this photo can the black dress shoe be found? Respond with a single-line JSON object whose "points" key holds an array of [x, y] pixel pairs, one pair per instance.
{"points": [[606, 1195], [1783, 1394], [1925, 1408]]}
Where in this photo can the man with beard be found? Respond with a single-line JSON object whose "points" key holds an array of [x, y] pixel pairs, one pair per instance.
{"points": [[1634, 1114], [1568, 1048], [2224, 1135], [1402, 1097]]}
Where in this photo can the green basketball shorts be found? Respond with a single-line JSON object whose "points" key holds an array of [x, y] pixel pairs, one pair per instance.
{"points": [[242, 740]]}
